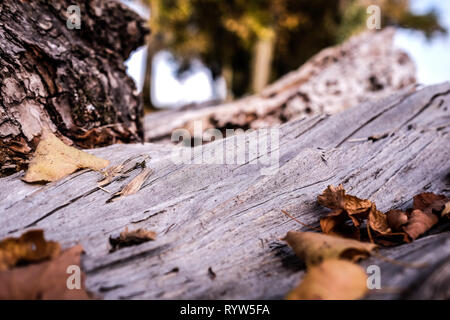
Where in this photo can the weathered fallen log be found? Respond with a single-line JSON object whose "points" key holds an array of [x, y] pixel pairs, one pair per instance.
{"points": [[72, 80], [225, 220], [366, 67]]}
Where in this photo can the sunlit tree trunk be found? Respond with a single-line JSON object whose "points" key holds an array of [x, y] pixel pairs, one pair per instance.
{"points": [[154, 44], [261, 63], [227, 73]]}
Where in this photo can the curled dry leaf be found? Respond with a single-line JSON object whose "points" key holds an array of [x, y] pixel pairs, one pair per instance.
{"points": [[396, 219], [335, 198], [54, 160], [446, 211], [333, 279], [112, 172], [419, 222], [430, 202], [44, 280], [313, 247], [133, 186], [378, 221], [345, 207], [427, 207], [130, 238], [335, 223], [29, 247], [411, 223]]}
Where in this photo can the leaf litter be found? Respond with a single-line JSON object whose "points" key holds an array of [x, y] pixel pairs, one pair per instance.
{"points": [[330, 256]]}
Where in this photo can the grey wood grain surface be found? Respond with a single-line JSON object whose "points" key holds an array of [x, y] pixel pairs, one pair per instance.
{"points": [[226, 218]]}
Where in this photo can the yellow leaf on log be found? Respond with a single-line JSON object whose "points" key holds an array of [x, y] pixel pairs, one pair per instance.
{"points": [[315, 247], [54, 160], [331, 280]]}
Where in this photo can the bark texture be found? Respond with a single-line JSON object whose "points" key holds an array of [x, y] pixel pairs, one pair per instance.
{"points": [[218, 226], [70, 80], [366, 67]]}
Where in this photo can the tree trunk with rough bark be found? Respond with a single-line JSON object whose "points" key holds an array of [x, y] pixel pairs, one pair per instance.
{"points": [[71, 80]]}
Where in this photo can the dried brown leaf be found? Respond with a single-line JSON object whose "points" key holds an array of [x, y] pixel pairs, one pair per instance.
{"points": [[335, 198], [335, 223], [130, 238], [396, 219], [112, 172], [333, 279], [44, 280], [430, 202], [29, 247], [446, 211], [313, 247], [54, 160], [134, 185], [419, 222], [345, 207]]}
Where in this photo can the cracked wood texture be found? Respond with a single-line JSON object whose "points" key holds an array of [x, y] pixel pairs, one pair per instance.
{"points": [[72, 81], [366, 67], [226, 218]]}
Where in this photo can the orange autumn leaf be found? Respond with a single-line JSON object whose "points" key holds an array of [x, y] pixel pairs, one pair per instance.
{"points": [[313, 247], [29, 247], [335, 198], [333, 279], [54, 160], [345, 207]]}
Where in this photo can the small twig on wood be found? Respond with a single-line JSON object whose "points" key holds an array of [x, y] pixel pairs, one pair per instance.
{"points": [[298, 221]]}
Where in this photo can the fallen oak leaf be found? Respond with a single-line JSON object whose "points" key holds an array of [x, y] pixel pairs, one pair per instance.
{"points": [[131, 238], [29, 247], [313, 247], [44, 280], [332, 279], [54, 160]]}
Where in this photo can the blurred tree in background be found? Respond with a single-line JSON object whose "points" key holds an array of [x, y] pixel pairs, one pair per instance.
{"points": [[252, 42]]}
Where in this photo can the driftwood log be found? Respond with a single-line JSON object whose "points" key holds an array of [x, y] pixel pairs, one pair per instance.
{"points": [[365, 68], [218, 226], [71, 80]]}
